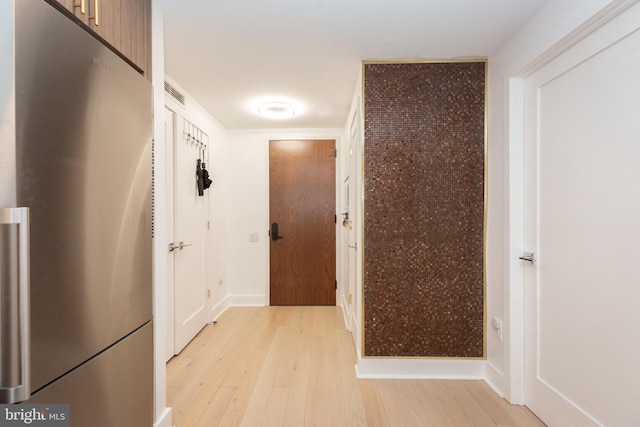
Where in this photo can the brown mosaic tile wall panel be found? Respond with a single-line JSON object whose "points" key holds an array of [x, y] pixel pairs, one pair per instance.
{"points": [[424, 209]]}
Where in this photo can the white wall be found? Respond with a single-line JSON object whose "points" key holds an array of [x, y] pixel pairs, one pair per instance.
{"points": [[247, 171], [216, 272], [537, 41]]}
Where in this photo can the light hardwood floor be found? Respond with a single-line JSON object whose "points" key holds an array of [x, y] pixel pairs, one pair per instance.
{"points": [[294, 366]]}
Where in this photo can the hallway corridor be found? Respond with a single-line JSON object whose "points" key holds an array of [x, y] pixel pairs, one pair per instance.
{"points": [[294, 366]]}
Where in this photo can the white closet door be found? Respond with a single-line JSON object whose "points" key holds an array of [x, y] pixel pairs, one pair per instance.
{"points": [[582, 222], [353, 201], [190, 299]]}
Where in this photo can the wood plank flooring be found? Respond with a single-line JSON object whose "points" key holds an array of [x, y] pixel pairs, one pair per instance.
{"points": [[294, 366]]}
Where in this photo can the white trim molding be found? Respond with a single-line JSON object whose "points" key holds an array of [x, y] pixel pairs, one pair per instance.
{"points": [[343, 304], [494, 378], [590, 25], [164, 420], [236, 301], [450, 369], [246, 301]]}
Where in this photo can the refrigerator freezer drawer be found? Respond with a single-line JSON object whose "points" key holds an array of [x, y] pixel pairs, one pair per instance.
{"points": [[113, 389]]}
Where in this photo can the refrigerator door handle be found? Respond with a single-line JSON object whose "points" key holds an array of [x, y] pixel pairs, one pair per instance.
{"points": [[14, 306]]}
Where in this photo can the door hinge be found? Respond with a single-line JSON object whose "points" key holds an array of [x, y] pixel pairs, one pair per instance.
{"points": [[336, 284], [208, 293], [335, 153], [335, 219]]}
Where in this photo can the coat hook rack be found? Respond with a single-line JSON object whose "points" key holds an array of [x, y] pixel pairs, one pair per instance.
{"points": [[194, 135]]}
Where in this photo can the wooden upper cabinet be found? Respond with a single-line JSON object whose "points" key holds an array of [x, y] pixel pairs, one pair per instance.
{"points": [[135, 31], [78, 8], [124, 24]]}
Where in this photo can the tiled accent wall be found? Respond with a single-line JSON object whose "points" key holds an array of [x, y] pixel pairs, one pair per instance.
{"points": [[424, 209]]}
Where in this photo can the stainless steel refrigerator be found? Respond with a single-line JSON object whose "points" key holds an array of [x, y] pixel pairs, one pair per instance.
{"points": [[76, 226]]}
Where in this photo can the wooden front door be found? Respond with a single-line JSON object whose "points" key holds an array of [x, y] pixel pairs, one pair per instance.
{"points": [[302, 208]]}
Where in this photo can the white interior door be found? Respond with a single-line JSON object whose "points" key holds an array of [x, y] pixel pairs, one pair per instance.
{"points": [[345, 241], [170, 136], [582, 222], [190, 299], [352, 195], [348, 250]]}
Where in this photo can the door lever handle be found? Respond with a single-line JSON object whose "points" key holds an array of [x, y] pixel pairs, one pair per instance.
{"points": [[274, 232], [173, 247], [183, 244], [528, 257]]}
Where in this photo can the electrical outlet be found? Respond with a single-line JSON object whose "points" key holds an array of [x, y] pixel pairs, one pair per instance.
{"points": [[496, 324]]}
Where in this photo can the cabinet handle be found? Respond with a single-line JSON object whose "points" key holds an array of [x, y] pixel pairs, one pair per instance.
{"points": [[82, 6], [96, 12]]}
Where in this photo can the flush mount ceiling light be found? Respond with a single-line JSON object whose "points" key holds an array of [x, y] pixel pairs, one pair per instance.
{"points": [[276, 110], [276, 107]]}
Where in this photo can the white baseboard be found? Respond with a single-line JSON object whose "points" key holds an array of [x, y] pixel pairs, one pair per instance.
{"points": [[247, 300], [494, 379], [345, 313], [379, 368], [164, 420], [236, 301], [218, 309]]}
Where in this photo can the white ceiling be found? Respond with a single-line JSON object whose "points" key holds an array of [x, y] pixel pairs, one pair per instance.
{"points": [[227, 53]]}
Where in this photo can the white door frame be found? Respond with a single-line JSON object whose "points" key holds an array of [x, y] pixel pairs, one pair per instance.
{"points": [[355, 195], [179, 112], [514, 268], [169, 145]]}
